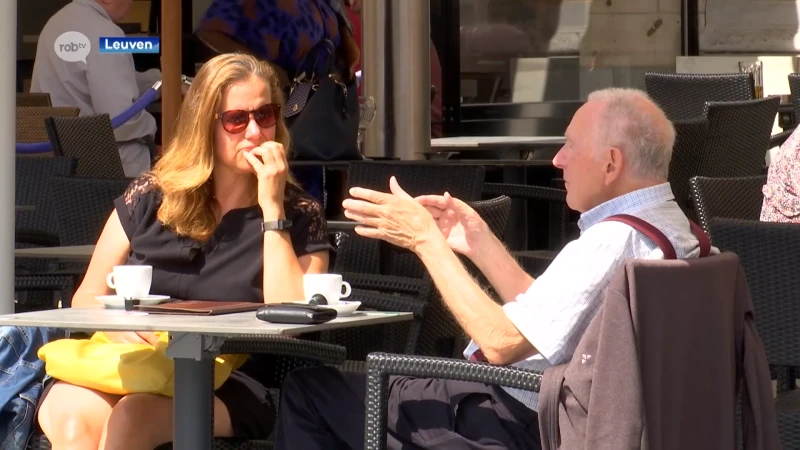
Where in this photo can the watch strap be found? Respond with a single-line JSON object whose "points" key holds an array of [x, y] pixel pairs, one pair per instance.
{"points": [[273, 225]]}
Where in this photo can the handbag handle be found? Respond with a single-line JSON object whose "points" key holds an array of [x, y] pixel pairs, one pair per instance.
{"points": [[328, 45]]}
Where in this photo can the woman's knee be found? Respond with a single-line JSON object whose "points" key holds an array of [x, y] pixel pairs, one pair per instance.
{"points": [[146, 419], [137, 413], [72, 413]]}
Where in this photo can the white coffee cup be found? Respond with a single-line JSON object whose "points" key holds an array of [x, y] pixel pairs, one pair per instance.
{"points": [[131, 282], [328, 284]]}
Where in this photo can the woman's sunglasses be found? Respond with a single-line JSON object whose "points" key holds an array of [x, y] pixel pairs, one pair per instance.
{"points": [[236, 120]]}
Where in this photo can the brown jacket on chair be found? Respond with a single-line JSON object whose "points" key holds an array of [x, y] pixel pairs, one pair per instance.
{"points": [[658, 366]]}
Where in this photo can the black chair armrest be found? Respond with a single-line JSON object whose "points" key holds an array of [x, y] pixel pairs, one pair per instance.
{"points": [[286, 346], [286, 354], [35, 237], [777, 140], [526, 192], [388, 302], [386, 283], [381, 365]]}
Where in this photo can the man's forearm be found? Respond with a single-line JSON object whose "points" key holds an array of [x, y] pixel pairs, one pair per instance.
{"points": [[480, 317], [501, 269]]}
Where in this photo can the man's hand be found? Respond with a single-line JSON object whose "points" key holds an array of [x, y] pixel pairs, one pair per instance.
{"points": [[395, 218], [461, 225]]}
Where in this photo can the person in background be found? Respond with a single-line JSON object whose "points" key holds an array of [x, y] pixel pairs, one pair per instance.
{"points": [[354, 14], [782, 190], [107, 83], [222, 194]]}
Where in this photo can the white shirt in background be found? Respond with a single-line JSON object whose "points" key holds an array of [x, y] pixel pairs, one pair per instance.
{"points": [[106, 84]]}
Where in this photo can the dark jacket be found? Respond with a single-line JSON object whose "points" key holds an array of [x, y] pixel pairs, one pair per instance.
{"points": [[658, 366]]}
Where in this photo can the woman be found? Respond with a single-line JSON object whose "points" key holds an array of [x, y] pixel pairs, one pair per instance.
{"points": [[197, 219], [782, 191]]}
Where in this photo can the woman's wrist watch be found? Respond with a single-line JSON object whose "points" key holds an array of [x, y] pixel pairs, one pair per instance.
{"points": [[275, 225]]}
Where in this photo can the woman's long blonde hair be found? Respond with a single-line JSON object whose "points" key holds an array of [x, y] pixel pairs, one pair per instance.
{"points": [[183, 174]]}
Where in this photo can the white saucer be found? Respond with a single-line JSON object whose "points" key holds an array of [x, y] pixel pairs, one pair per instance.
{"points": [[343, 308], [117, 302]]}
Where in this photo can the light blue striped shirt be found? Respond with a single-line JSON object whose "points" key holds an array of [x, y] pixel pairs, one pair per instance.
{"points": [[556, 309]]}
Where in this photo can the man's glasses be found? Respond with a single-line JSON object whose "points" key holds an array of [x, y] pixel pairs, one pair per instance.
{"points": [[236, 120]]}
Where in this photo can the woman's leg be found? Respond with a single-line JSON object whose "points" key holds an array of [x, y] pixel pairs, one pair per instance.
{"points": [[72, 417], [144, 421]]}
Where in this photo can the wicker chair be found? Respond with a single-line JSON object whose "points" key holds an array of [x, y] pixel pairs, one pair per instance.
{"points": [[381, 365], [33, 99], [794, 88], [33, 179], [90, 140], [462, 181], [732, 198], [38, 228], [770, 255], [687, 158], [557, 198], [31, 127], [683, 96], [738, 137], [559, 220], [83, 206]]}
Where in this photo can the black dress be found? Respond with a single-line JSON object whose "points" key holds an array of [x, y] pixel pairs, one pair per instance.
{"points": [[228, 267]]}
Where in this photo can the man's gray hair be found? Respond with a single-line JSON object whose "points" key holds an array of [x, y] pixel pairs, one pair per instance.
{"points": [[644, 135]]}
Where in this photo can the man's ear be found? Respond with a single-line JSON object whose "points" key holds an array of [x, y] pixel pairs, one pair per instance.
{"points": [[615, 162]]}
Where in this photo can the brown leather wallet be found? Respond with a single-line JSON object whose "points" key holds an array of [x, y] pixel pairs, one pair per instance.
{"points": [[200, 307]]}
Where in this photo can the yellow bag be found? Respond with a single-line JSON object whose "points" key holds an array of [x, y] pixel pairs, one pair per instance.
{"points": [[119, 368]]}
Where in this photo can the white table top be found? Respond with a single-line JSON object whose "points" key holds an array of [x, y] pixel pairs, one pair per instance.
{"points": [[230, 325], [495, 141], [66, 252]]}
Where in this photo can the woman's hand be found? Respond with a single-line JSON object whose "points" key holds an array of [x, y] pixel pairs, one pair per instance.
{"points": [[271, 167], [131, 337]]}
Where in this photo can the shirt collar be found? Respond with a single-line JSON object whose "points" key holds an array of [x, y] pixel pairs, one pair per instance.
{"points": [[626, 203], [92, 4]]}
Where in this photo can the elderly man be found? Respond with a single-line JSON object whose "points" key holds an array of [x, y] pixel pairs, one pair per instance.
{"points": [[107, 83], [615, 161]]}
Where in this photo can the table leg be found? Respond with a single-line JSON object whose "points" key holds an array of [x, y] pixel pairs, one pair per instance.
{"points": [[193, 412]]}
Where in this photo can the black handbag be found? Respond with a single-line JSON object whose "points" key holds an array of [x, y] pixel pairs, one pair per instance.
{"points": [[322, 114]]}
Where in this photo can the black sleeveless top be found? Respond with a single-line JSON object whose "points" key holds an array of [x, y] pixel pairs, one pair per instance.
{"points": [[229, 266]]}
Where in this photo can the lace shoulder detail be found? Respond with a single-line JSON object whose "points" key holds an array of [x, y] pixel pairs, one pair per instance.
{"points": [[308, 206], [137, 189]]}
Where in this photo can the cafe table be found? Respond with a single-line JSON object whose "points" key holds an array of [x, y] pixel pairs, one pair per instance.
{"points": [[194, 343], [73, 252]]}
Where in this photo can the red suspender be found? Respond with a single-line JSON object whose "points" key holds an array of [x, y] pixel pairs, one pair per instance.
{"points": [[658, 237]]}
